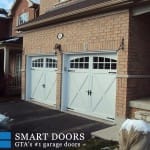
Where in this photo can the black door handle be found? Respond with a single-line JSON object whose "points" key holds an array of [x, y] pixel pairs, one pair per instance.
{"points": [[90, 92], [43, 85]]}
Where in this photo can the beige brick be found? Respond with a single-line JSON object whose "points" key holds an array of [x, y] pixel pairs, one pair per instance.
{"points": [[100, 33]]}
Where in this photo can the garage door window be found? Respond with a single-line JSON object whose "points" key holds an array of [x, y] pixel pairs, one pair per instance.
{"points": [[44, 63], [104, 63], [80, 63], [38, 63], [51, 63]]}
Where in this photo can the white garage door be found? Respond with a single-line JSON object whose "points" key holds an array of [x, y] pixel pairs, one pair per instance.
{"points": [[90, 82], [43, 79]]}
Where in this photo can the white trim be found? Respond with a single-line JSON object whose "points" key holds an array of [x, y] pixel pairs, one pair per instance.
{"points": [[40, 54], [62, 106], [6, 61], [133, 76], [2, 48], [27, 80], [90, 52]]}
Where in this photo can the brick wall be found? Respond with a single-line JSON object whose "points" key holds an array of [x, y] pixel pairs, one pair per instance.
{"points": [[139, 45], [47, 5], [139, 55], [20, 8], [4, 28], [97, 33]]}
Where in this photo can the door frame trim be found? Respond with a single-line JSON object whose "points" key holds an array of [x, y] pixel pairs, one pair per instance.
{"points": [[91, 52]]}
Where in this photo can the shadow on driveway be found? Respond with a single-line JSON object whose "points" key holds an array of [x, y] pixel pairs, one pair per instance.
{"points": [[28, 117]]}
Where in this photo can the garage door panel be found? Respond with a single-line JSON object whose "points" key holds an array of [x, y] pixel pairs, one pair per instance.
{"points": [[104, 94], [43, 79], [77, 94], [50, 89], [36, 84], [91, 84]]}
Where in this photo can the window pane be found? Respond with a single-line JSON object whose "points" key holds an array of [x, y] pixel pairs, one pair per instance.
{"points": [[76, 60], [86, 59], [101, 59], [76, 65], [23, 18], [113, 66], [95, 59], [72, 65], [95, 66], [81, 59], [81, 65], [101, 66], [113, 60], [107, 66], [107, 60], [51, 63], [48, 60], [86, 65], [41, 60]]}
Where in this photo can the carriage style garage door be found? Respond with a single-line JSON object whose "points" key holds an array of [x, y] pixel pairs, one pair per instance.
{"points": [[90, 84], [43, 79]]}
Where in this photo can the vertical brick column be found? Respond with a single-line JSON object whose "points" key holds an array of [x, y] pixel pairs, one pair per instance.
{"points": [[59, 80]]}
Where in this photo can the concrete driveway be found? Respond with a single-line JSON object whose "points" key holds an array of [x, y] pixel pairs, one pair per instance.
{"points": [[28, 117]]}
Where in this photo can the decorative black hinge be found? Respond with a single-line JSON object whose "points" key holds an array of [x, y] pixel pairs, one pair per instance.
{"points": [[110, 118], [69, 108]]}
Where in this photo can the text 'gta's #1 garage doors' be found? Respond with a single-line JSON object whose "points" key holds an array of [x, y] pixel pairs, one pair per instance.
{"points": [[42, 79], [90, 84]]}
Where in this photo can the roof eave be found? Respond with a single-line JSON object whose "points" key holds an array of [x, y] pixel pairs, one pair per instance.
{"points": [[77, 13]]}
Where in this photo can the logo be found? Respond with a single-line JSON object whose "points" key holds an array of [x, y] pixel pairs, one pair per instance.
{"points": [[5, 140]]}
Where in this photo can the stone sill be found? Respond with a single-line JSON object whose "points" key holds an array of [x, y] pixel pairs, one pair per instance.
{"points": [[142, 115], [143, 104]]}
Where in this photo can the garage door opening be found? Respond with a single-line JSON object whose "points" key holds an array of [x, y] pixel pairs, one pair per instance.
{"points": [[90, 84]]}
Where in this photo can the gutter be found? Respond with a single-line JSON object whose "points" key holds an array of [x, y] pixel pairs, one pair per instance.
{"points": [[94, 9]]}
